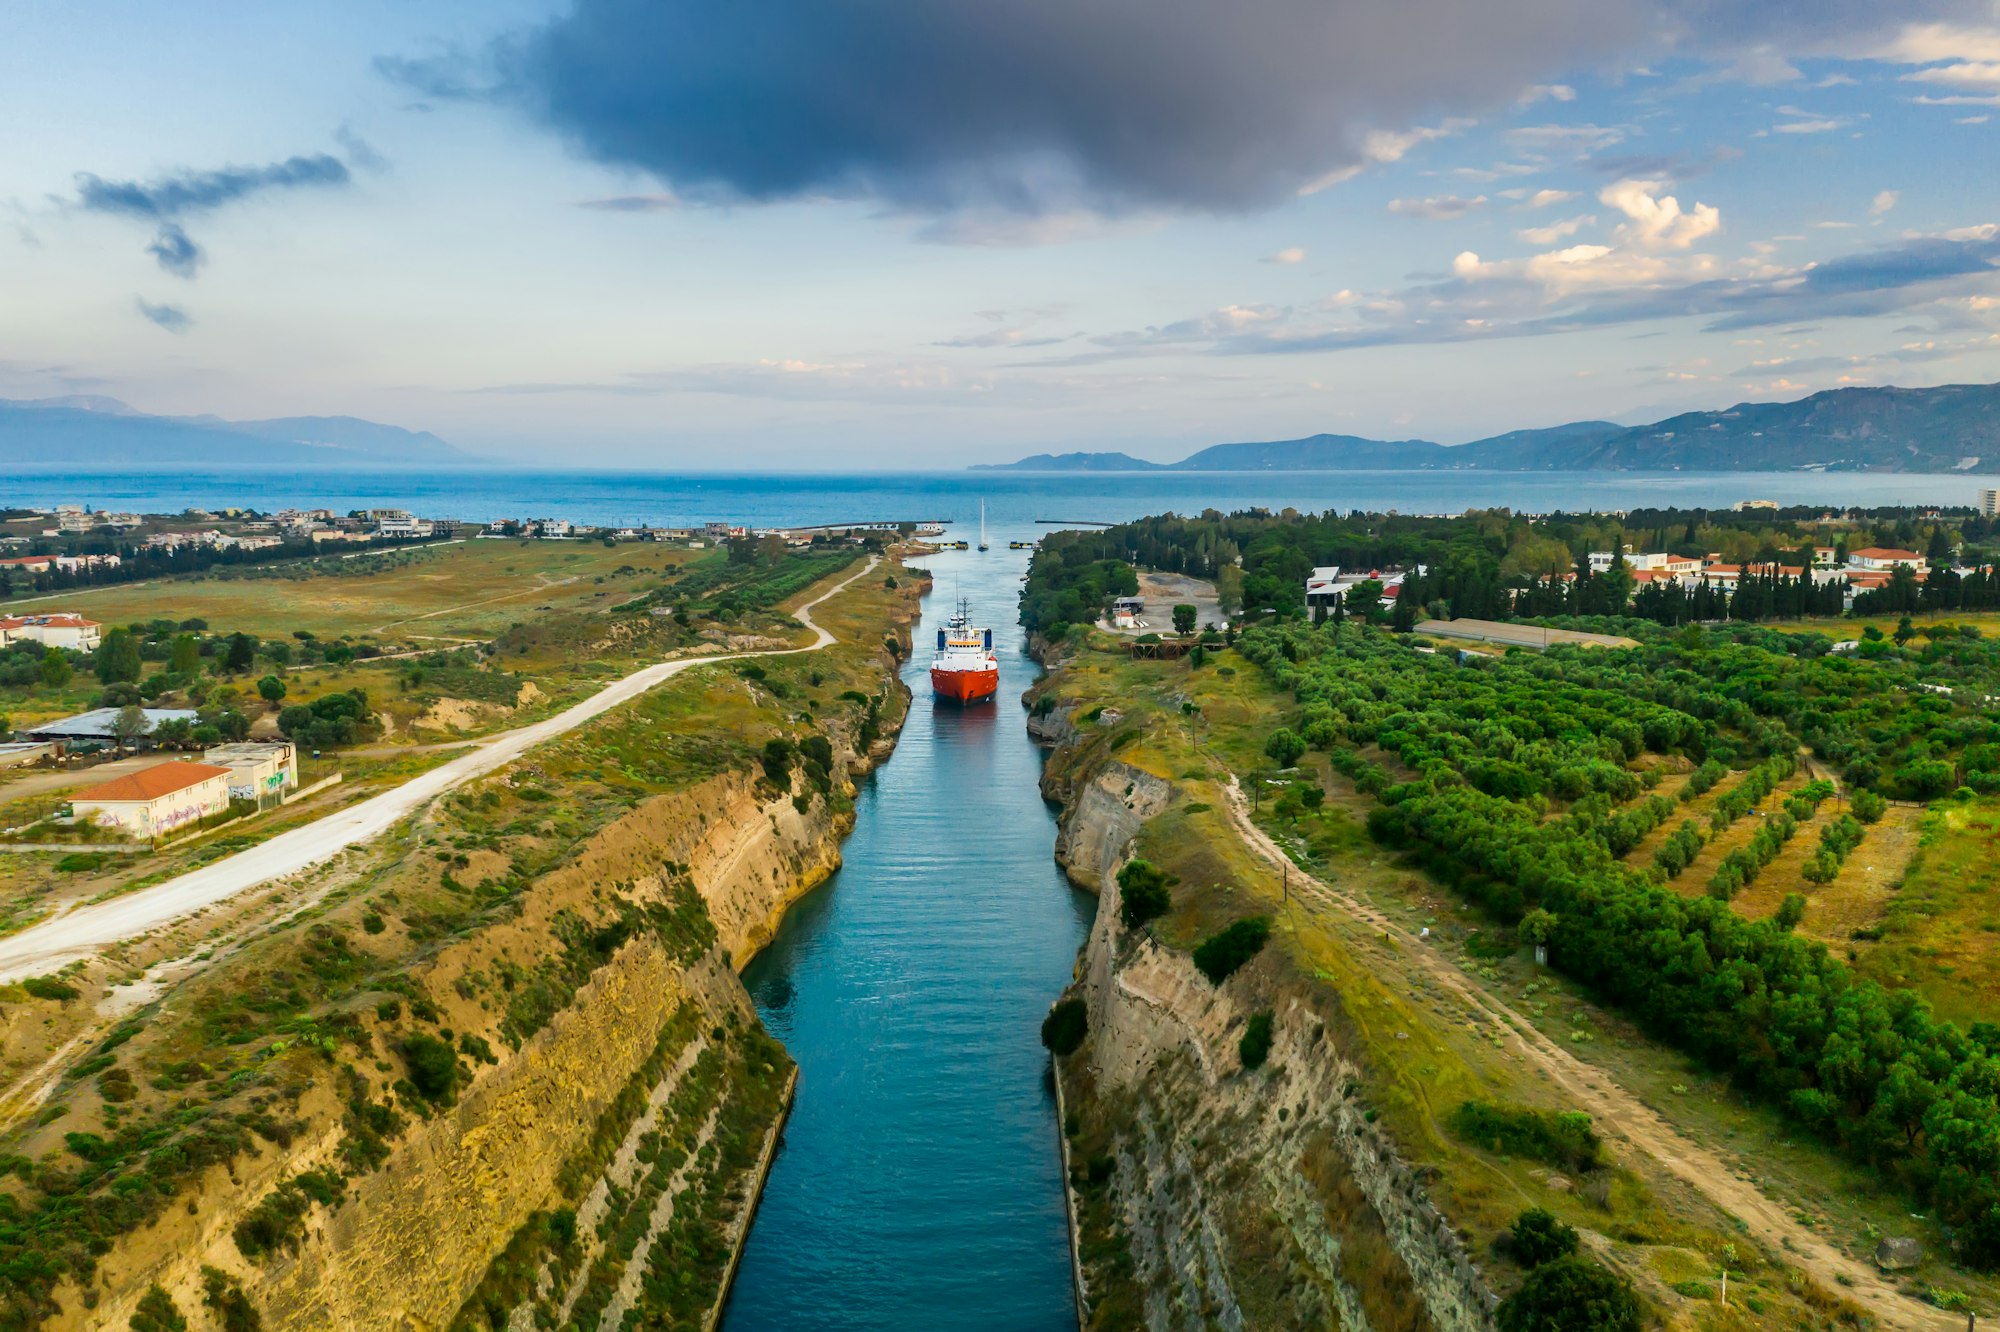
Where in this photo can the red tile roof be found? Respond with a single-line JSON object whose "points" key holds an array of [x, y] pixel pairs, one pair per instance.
{"points": [[150, 784]]}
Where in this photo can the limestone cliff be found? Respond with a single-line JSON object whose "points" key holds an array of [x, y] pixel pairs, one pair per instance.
{"points": [[1206, 1194]]}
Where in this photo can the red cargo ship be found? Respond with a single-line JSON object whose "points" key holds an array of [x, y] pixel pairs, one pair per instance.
{"points": [[965, 669]]}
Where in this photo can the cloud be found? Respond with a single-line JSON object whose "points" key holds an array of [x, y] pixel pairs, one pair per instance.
{"points": [[1438, 208], [1113, 107], [1656, 219], [1577, 140], [177, 254], [632, 203], [1883, 202], [188, 192], [1039, 105], [1555, 231], [169, 317], [167, 199], [1808, 127], [1294, 254], [1548, 198]]}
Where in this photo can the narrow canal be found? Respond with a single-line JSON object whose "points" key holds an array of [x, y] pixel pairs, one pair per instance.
{"points": [[919, 1184]]}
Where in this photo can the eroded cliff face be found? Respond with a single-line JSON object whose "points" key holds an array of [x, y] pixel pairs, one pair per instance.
{"points": [[1208, 1195], [607, 1163]]}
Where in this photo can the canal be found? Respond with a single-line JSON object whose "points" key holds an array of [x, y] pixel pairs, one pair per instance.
{"points": [[919, 1182]]}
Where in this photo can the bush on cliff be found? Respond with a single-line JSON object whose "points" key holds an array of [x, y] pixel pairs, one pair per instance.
{"points": [[1571, 1295], [1221, 954], [1538, 1236], [1142, 893], [1255, 1045], [1063, 1029], [433, 1068]]}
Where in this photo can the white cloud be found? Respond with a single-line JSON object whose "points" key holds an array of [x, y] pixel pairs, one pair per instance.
{"points": [[1884, 202], [1438, 207], [1294, 254], [1972, 120], [1546, 198], [1928, 43], [1808, 127], [1382, 147], [1556, 231], [1554, 92], [1580, 139], [1657, 221], [1981, 74]]}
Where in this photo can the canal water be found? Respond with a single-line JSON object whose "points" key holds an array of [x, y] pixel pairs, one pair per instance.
{"points": [[919, 1184]]}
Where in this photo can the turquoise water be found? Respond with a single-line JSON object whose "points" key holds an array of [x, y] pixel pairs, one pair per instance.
{"points": [[919, 1182]]}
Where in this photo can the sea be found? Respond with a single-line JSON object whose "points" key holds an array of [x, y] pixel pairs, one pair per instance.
{"points": [[1012, 499]]}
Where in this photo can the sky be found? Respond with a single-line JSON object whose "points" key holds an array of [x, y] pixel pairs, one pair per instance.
{"points": [[926, 233]]}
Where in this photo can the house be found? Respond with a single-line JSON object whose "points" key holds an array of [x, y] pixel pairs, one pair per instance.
{"points": [[226, 542], [321, 535], [1746, 506], [78, 563], [62, 629], [29, 563], [101, 724], [157, 800], [1327, 586], [257, 771], [402, 528], [1882, 557]]}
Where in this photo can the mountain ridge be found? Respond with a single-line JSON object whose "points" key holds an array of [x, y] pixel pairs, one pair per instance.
{"points": [[1951, 428], [87, 431]]}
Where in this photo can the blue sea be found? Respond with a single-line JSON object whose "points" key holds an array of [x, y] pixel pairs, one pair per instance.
{"points": [[1014, 500]]}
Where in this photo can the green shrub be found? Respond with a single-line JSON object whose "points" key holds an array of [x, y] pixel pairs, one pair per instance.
{"points": [[433, 1067], [1220, 955], [221, 1292], [157, 1313], [1255, 1046], [1064, 1028], [1538, 1236], [1142, 893], [1571, 1295], [48, 987], [1564, 1139]]}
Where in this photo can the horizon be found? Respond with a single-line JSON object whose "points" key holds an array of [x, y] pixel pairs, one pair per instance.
{"points": [[1282, 222]]}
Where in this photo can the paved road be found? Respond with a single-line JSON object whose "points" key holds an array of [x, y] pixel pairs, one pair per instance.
{"points": [[79, 933]]}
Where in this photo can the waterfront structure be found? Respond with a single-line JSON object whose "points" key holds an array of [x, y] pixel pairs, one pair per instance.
{"points": [[157, 800]]}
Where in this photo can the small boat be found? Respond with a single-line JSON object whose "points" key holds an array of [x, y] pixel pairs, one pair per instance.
{"points": [[982, 525], [965, 668], [1022, 545]]}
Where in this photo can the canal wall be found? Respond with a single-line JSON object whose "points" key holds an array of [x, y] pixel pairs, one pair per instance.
{"points": [[1208, 1195], [568, 1177]]}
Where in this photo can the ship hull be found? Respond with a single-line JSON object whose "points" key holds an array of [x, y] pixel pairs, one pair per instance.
{"points": [[965, 686]]}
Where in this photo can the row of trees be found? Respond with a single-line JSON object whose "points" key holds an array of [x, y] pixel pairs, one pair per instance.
{"points": [[1867, 1067]]}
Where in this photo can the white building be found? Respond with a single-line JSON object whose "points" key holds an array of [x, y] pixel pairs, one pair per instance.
{"points": [[157, 800], [257, 771], [61, 629], [403, 528], [1989, 503], [1882, 557]]}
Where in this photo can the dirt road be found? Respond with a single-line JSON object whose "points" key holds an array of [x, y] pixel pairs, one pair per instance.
{"points": [[1620, 1113], [86, 929]]}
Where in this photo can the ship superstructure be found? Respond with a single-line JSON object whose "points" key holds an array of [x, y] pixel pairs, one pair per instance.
{"points": [[965, 668]]}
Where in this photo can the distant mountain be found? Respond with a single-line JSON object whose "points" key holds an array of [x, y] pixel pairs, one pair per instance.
{"points": [[1074, 462], [1955, 428], [90, 432]]}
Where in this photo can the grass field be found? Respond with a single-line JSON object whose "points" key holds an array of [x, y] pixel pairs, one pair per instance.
{"points": [[475, 589]]}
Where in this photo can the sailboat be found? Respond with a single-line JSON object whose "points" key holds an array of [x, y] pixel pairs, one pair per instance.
{"points": [[982, 524]]}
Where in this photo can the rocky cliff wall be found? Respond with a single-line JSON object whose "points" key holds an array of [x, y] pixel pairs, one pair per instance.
{"points": [[1209, 1195]]}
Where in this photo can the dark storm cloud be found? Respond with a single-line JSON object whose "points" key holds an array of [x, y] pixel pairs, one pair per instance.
{"points": [[170, 317], [1037, 106], [176, 253], [166, 199], [199, 191]]}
